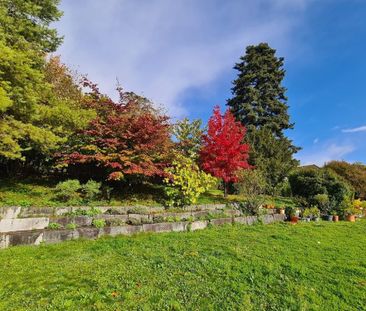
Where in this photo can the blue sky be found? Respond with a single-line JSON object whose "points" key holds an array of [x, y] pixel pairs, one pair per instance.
{"points": [[180, 54]]}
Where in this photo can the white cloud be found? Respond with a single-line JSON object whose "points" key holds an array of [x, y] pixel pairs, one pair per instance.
{"points": [[162, 48], [355, 130], [326, 153]]}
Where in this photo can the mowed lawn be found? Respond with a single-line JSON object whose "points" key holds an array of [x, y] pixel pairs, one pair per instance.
{"points": [[317, 266]]}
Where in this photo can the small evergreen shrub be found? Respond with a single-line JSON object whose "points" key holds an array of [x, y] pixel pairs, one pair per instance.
{"points": [[91, 190], [67, 191]]}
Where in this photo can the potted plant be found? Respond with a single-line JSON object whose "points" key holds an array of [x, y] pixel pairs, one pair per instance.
{"points": [[292, 214], [350, 213], [281, 210], [335, 216], [316, 213], [307, 214]]}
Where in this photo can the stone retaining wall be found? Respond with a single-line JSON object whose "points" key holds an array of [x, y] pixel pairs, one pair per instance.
{"points": [[25, 212], [35, 237]]}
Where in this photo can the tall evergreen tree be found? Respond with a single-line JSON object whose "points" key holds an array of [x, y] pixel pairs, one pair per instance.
{"points": [[260, 104]]}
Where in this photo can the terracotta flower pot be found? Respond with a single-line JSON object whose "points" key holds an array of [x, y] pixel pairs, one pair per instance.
{"points": [[335, 218], [294, 219], [351, 218]]}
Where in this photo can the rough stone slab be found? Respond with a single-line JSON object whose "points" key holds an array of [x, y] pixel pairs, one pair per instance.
{"points": [[279, 217], [54, 236], [199, 225], [9, 212], [79, 221], [23, 224], [115, 220], [267, 219], [221, 221], [164, 227], [21, 238], [124, 230], [241, 220], [36, 212], [251, 219]]}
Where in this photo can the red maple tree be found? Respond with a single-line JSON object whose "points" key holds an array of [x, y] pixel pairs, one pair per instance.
{"points": [[129, 137], [223, 152]]}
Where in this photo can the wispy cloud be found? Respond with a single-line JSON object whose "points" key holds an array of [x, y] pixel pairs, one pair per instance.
{"points": [[326, 153], [355, 130], [162, 48]]}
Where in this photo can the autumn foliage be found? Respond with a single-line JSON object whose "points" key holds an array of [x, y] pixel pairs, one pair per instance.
{"points": [[223, 152], [130, 137]]}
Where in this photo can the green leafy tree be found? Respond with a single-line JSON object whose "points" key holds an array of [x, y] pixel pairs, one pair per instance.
{"points": [[353, 173], [273, 156], [185, 182], [189, 137], [260, 104], [309, 183], [30, 107]]}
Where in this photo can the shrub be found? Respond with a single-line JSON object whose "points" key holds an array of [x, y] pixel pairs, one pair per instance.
{"points": [[67, 191], [71, 226], [54, 226], [91, 190], [322, 201], [354, 174], [138, 210], [93, 211], [186, 182], [307, 183], [251, 185], [98, 223]]}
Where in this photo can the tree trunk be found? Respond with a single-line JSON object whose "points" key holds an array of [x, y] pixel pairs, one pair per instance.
{"points": [[225, 189]]}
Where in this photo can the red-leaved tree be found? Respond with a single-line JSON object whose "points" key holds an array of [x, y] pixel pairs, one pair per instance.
{"points": [[223, 152], [127, 138]]}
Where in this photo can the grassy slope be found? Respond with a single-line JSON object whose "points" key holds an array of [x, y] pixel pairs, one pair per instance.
{"points": [[275, 267], [14, 193]]}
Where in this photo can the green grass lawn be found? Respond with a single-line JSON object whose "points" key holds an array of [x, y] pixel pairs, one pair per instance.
{"points": [[312, 266]]}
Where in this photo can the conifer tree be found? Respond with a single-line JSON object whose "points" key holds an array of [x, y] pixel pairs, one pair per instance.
{"points": [[259, 102]]}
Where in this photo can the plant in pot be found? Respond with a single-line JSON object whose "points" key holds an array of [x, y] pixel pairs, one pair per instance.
{"points": [[324, 204], [335, 216], [316, 213], [350, 213], [307, 215], [281, 210], [291, 212], [349, 210]]}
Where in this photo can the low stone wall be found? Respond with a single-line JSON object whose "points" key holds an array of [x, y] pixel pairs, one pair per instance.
{"points": [[35, 237], [26, 212]]}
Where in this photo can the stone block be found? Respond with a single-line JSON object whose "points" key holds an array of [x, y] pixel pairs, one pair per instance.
{"points": [[23, 224], [221, 221], [199, 225]]}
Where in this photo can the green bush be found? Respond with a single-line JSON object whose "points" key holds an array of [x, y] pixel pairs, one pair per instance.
{"points": [[98, 223], [67, 191], [323, 202], [71, 226], [91, 190], [138, 210], [54, 226], [308, 183], [252, 185]]}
